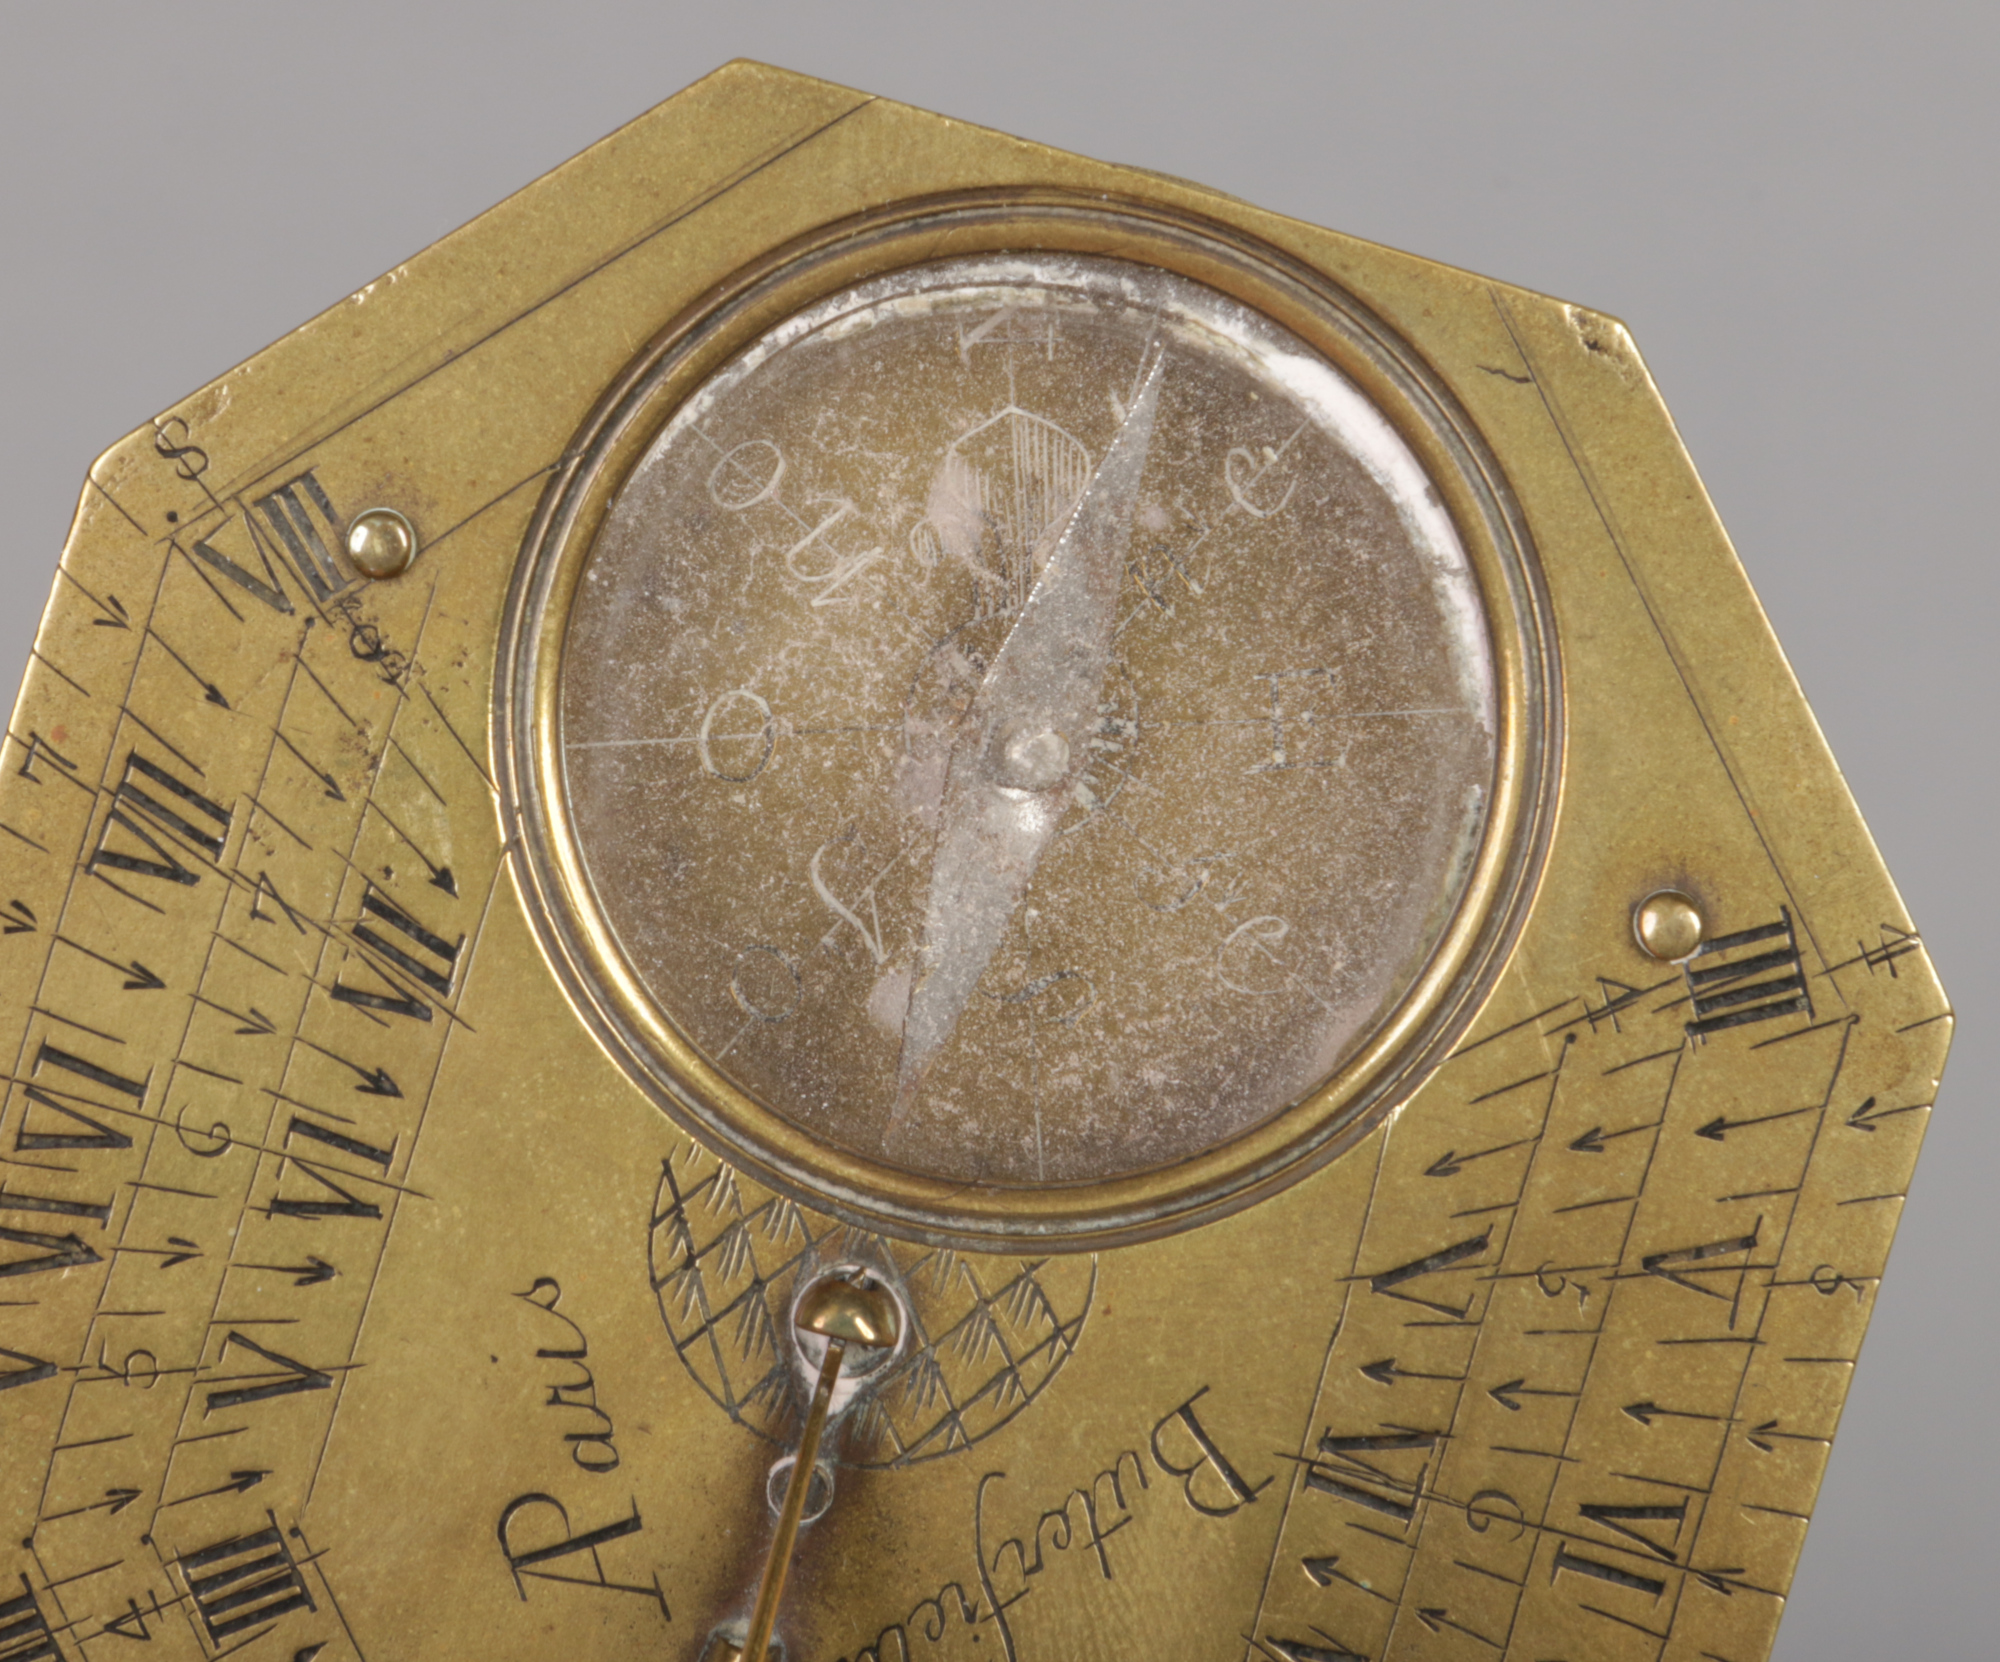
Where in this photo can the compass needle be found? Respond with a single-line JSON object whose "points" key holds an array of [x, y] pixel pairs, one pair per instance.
{"points": [[957, 904], [1021, 747]]}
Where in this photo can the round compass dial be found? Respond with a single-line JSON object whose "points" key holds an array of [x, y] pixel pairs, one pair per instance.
{"points": [[1022, 722]]}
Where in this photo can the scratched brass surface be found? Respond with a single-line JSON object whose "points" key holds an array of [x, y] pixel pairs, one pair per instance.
{"points": [[353, 1301]]}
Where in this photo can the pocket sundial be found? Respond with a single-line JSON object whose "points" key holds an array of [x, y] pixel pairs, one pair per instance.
{"points": [[855, 891]]}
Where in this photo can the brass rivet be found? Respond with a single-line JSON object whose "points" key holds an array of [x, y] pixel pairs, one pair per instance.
{"points": [[853, 1313], [1669, 926], [381, 543]]}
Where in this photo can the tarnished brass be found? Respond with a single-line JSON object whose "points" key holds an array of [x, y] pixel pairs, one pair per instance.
{"points": [[384, 1273], [1669, 925]]}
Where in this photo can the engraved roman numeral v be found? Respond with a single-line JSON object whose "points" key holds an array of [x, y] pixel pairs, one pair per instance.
{"points": [[295, 1377], [1391, 1282]]}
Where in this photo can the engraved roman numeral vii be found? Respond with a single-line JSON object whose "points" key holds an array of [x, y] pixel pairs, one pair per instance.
{"points": [[400, 950]]}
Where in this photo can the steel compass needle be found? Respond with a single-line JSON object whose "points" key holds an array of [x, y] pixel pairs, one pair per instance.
{"points": [[1021, 747]]}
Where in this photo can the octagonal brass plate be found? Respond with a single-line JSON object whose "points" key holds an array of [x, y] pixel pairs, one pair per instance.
{"points": [[374, 1283]]}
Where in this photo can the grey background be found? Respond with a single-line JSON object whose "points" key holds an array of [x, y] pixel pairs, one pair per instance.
{"points": [[1792, 205]]}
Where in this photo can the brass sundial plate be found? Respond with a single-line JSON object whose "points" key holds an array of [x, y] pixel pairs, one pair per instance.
{"points": [[358, 1297]]}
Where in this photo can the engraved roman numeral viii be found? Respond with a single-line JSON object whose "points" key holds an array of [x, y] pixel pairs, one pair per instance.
{"points": [[146, 791], [296, 520]]}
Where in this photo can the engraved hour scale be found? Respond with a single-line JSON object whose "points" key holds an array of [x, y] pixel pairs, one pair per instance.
{"points": [[1090, 925]]}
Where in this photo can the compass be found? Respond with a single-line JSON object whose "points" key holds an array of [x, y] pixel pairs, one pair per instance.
{"points": [[927, 901], [1022, 725]]}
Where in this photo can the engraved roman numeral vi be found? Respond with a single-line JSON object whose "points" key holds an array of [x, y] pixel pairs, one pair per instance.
{"points": [[329, 1200], [53, 1252], [98, 1134], [1358, 1469]]}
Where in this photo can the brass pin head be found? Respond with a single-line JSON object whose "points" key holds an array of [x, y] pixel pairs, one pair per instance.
{"points": [[849, 1311], [1669, 926], [381, 543]]}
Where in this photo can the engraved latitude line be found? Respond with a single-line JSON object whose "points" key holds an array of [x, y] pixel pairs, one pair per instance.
{"points": [[705, 196], [1600, 506]]}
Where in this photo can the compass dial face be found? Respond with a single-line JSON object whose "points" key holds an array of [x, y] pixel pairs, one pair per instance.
{"points": [[1027, 720]]}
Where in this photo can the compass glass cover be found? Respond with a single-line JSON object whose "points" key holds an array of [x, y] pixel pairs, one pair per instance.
{"points": [[1027, 719]]}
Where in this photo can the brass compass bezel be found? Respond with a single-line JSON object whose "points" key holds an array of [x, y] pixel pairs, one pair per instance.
{"points": [[581, 947]]}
